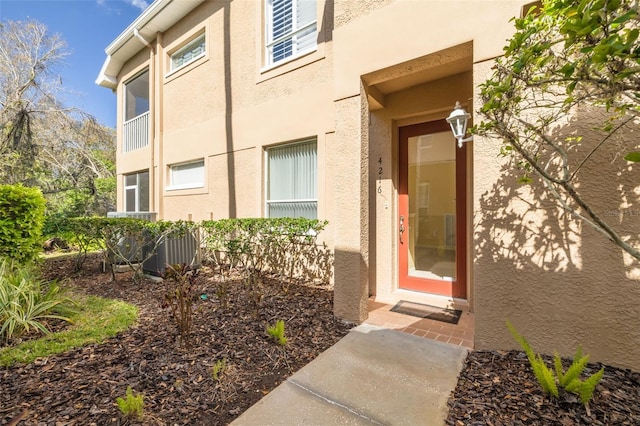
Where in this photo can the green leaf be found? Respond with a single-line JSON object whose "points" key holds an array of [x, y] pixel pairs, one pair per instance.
{"points": [[589, 385], [633, 157]]}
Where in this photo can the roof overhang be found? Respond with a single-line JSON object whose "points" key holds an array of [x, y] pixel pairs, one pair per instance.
{"points": [[157, 18]]}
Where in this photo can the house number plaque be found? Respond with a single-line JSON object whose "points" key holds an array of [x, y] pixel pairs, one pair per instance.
{"points": [[380, 175]]}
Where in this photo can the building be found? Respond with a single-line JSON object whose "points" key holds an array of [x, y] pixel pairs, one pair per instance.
{"points": [[335, 110]]}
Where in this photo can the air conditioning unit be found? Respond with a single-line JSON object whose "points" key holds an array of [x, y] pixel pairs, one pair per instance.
{"points": [[150, 216], [128, 244], [171, 251]]}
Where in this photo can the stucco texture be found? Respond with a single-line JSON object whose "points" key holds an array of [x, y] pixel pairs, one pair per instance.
{"points": [[557, 280]]}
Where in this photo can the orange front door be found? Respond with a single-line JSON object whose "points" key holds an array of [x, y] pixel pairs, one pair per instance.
{"points": [[432, 210]]}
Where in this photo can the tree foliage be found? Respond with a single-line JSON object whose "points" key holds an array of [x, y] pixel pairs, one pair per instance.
{"points": [[567, 57], [21, 220], [44, 143]]}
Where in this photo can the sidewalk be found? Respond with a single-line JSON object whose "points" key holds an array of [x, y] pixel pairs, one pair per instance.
{"points": [[373, 376]]}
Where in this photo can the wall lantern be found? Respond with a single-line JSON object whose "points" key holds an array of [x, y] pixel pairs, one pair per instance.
{"points": [[458, 120]]}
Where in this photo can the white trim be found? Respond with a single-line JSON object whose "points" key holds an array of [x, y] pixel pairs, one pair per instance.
{"points": [[292, 35], [288, 59], [200, 166], [183, 186], [157, 18], [184, 48]]}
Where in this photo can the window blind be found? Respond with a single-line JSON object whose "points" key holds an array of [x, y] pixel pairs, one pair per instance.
{"points": [[291, 28], [188, 175], [292, 180]]}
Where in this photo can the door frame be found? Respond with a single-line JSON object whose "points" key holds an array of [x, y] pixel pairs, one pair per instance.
{"points": [[458, 287]]}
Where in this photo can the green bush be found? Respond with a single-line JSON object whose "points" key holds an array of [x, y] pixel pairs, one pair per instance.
{"points": [[285, 246], [21, 221], [25, 302]]}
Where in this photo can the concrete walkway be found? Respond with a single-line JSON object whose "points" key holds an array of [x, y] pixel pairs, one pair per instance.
{"points": [[373, 376]]}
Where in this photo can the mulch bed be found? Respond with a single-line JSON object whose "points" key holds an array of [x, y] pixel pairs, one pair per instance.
{"points": [[80, 387], [499, 388]]}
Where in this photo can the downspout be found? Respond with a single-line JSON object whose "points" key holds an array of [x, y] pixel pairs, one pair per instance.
{"points": [[158, 124], [137, 34]]}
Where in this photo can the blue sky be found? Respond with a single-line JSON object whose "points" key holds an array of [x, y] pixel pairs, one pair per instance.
{"points": [[87, 26]]}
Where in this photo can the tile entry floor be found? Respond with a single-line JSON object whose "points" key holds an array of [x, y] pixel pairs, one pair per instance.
{"points": [[460, 334]]}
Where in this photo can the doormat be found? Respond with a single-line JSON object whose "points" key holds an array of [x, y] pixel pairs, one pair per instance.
{"points": [[451, 316]]}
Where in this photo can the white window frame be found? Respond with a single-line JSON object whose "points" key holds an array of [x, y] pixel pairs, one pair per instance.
{"points": [[190, 185], [267, 177], [136, 188], [127, 97], [295, 31], [187, 47]]}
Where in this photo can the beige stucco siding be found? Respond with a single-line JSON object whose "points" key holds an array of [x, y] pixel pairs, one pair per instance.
{"points": [[557, 280], [381, 65], [223, 109], [404, 30]]}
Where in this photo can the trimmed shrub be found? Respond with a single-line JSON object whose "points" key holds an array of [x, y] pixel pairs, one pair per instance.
{"points": [[21, 221]]}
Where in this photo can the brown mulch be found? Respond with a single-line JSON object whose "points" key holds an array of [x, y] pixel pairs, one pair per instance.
{"points": [[80, 387], [499, 388]]}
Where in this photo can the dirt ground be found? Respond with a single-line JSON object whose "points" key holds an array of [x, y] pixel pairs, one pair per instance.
{"points": [[80, 387], [499, 388]]}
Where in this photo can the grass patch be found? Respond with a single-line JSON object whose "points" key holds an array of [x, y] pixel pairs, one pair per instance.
{"points": [[94, 320]]}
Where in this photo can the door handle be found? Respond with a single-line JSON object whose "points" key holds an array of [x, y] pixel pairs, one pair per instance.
{"points": [[401, 228]]}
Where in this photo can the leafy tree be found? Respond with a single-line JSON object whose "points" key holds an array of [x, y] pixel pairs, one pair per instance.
{"points": [[44, 143], [566, 57]]}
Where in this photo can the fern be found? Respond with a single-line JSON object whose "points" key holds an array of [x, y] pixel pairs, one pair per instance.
{"points": [[545, 376], [573, 386], [574, 372], [131, 405], [522, 342], [589, 385], [219, 367], [557, 364], [277, 332], [569, 381]]}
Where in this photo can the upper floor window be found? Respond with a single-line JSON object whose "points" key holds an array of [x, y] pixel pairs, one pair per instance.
{"points": [[136, 96], [189, 53], [186, 175], [291, 29], [292, 180]]}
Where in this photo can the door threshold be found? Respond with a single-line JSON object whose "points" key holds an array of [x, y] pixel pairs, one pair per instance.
{"points": [[423, 298]]}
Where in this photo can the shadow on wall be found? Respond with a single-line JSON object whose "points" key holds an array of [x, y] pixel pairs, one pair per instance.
{"points": [[561, 283], [231, 172], [351, 286]]}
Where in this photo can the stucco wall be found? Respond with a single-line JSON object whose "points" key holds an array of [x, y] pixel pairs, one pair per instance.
{"points": [[226, 108], [350, 167], [558, 281]]}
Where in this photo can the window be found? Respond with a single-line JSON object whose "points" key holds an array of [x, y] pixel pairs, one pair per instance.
{"points": [[292, 172], [136, 192], [186, 175], [137, 96], [192, 51], [290, 30]]}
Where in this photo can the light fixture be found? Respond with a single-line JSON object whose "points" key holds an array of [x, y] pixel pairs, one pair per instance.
{"points": [[458, 121]]}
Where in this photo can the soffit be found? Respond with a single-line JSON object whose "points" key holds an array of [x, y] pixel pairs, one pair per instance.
{"points": [[158, 17], [418, 71]]}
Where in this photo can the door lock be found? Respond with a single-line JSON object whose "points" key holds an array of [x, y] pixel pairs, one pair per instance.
{"points": [[401, 228]]}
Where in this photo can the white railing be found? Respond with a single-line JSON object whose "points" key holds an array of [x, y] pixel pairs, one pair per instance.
{"points": [[136, 133]]}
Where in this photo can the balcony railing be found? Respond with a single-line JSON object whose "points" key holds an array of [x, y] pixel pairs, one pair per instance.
{"points": [[136, 133]]}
